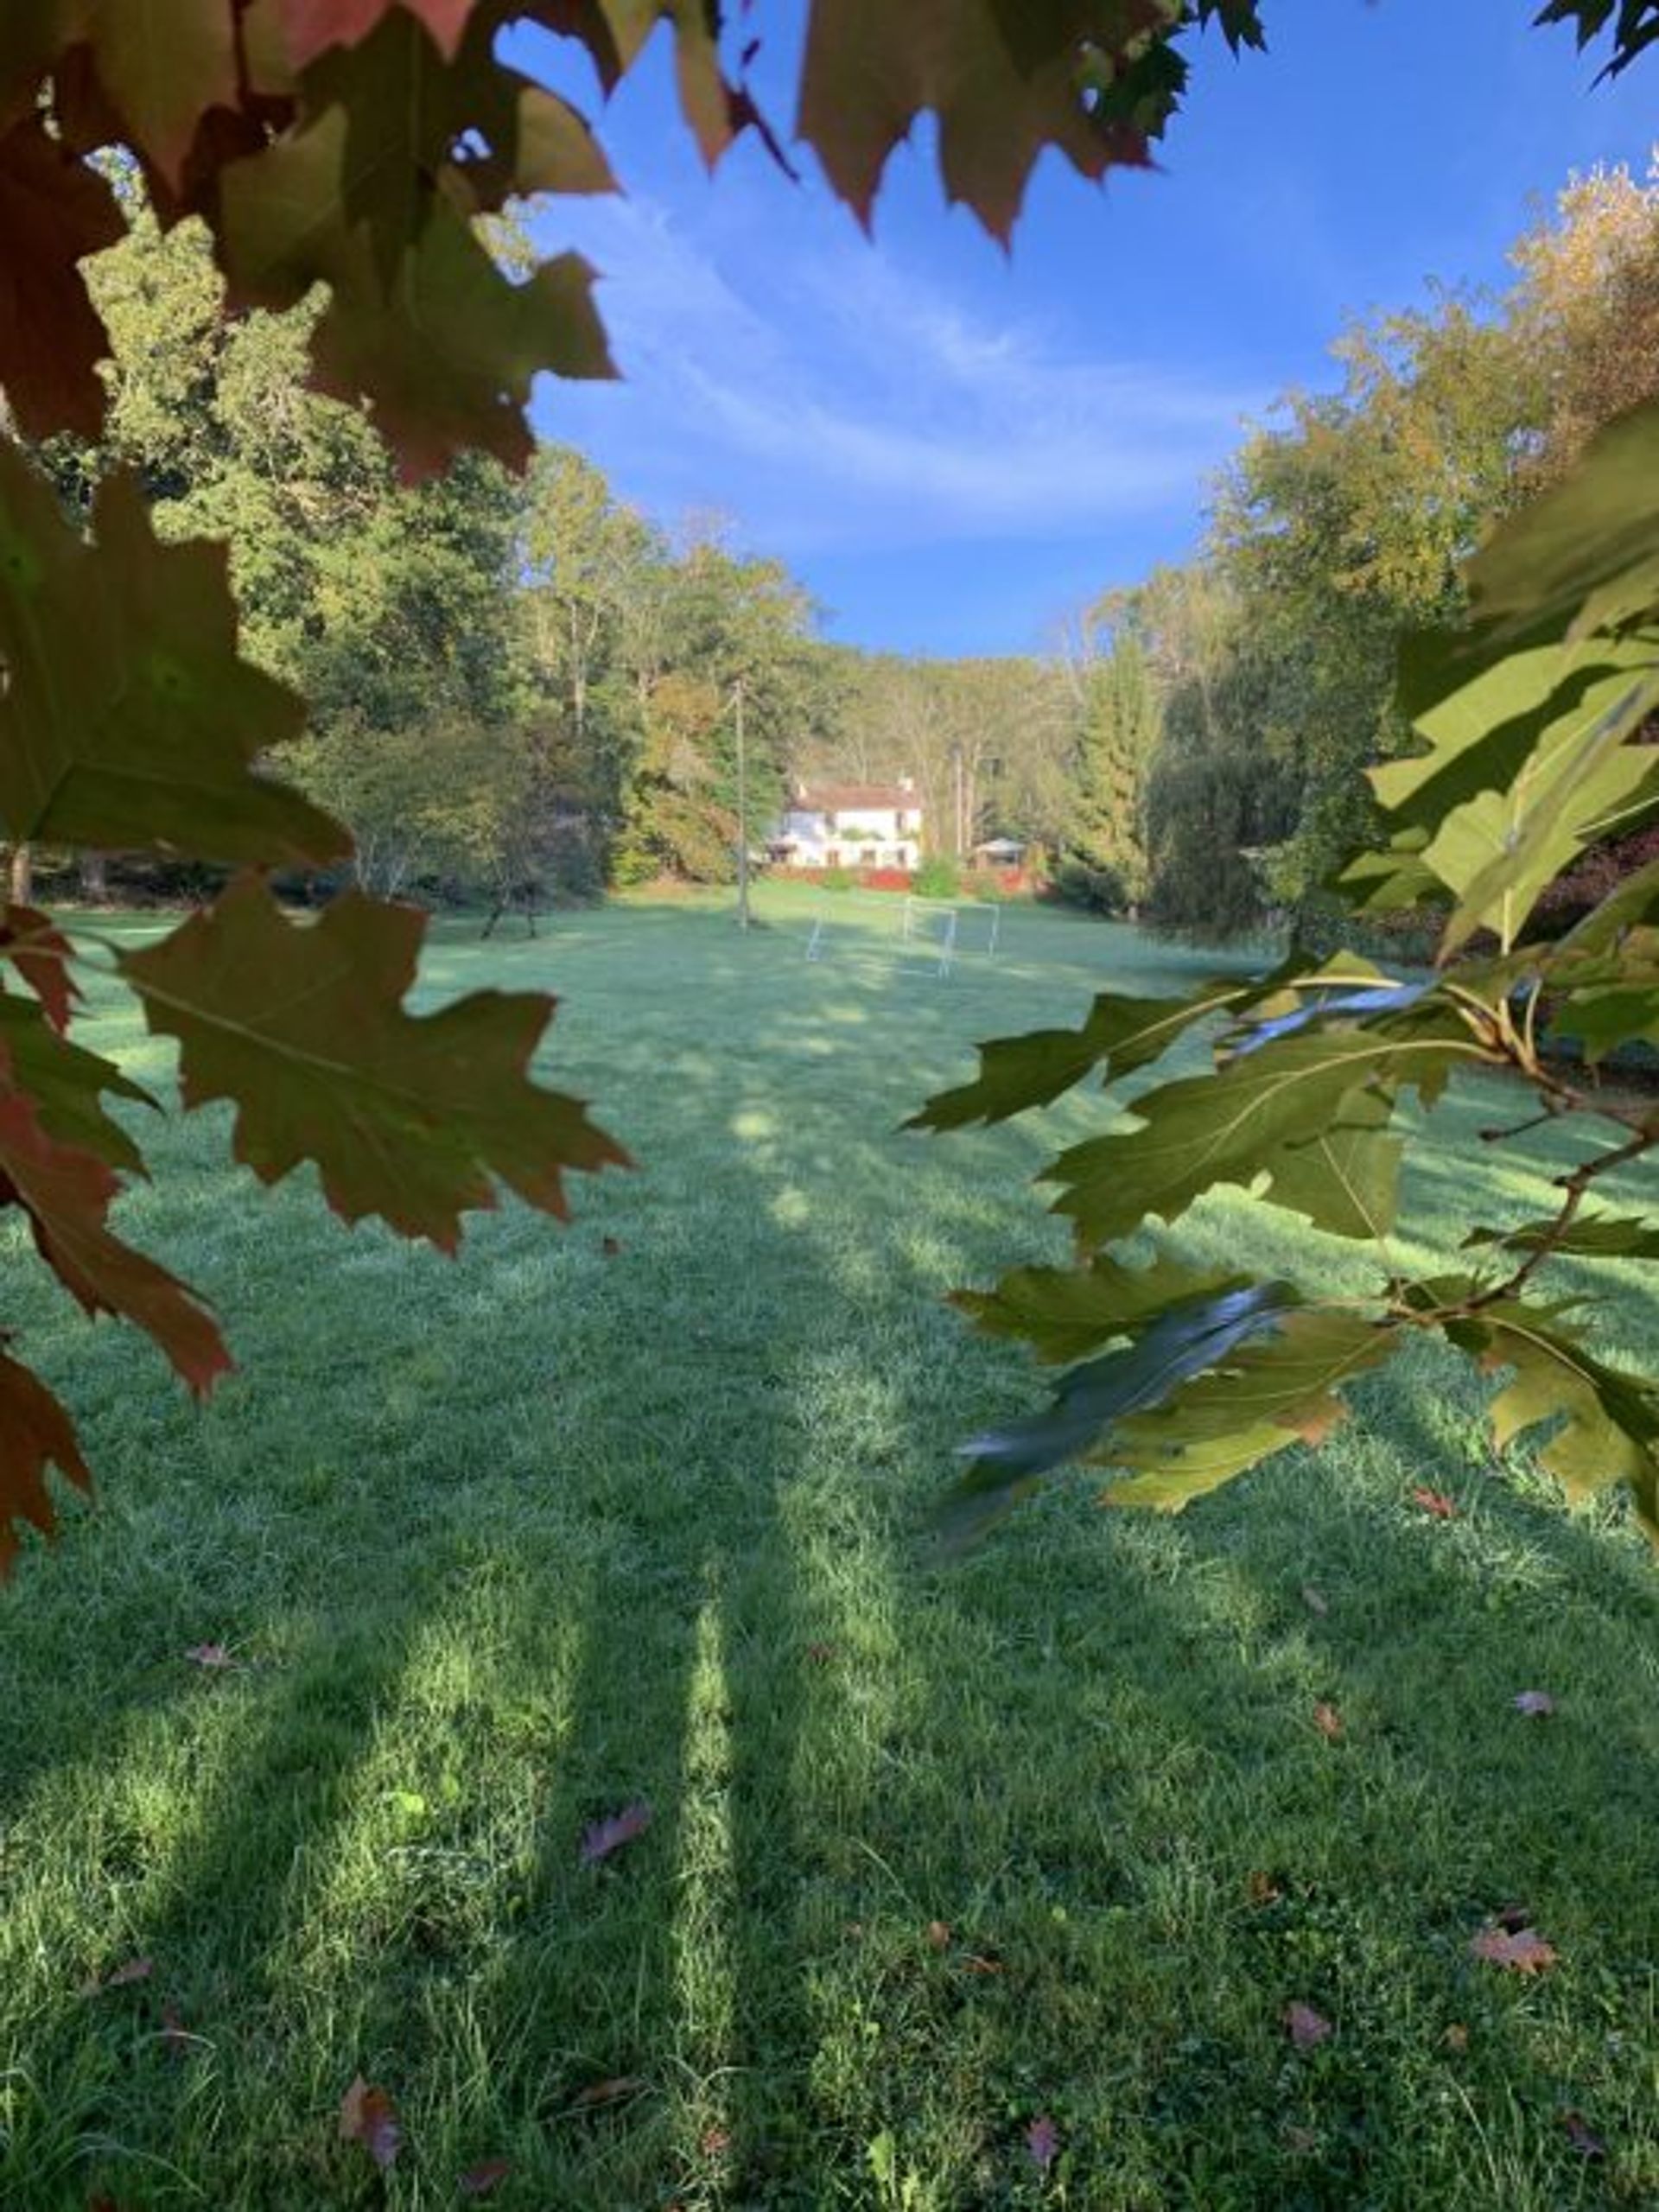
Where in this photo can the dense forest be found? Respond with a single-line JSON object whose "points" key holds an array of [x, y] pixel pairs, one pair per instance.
{"points": [[523, 689]]}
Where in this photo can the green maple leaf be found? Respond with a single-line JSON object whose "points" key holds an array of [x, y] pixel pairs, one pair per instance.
{"points": [[127, 720], [302, 1028]]}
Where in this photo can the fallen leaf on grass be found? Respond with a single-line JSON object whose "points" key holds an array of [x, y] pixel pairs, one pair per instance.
{"points": [[939, 1936], [1434, 1502], [1261, 1888], [369, 2117], [1315, 1600], [715, 2143], [1583, 2138], [604, 1837], [1524, 1951], [1328, 1721], [1306, 2028], [484, 2179], [1537, 1705], [210, 1656], [1043, 2142], [611, 2091], [976, 1962], [1456, 2036], [120, 1978]]}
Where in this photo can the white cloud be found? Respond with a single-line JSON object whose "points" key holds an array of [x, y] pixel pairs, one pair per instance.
{"points": [[834, 400]]}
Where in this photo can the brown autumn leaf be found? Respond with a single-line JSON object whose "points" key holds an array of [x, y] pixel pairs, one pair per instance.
{"points": [[980, 1962], [1434, 1502], [1328, 1721], [35, 1435], [368, 2116], [716, 2142], [939, 1936], [485, 2178], [1306, 2028], [1523, 1951], [1537, 1705], [1043, 2143], [1262, 1888], [54, 209], [1582, 2137], [1315, 1600], [613, 2089], [1456, 2036], [121, 1977], [604, 1837]]}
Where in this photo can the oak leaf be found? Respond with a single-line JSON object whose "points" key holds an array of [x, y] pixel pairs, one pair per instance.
{"points": [[40, 953], [1306, 2028], [128, 719], [1524, 1950], [54, 210], [311, 27], [368, 2116], [485, 2178], [35, 1435], [1043, 2142], [162, 67], [603, 1837], [66, 1193], [301, 1026]]}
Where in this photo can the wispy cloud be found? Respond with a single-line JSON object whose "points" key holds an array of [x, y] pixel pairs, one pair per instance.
{"points": [[834, 400]]}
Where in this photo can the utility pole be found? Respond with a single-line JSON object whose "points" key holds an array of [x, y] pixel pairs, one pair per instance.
{"points": [[742, 811]]}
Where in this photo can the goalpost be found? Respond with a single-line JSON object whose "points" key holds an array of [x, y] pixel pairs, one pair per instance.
{"points": [[965, 920]]}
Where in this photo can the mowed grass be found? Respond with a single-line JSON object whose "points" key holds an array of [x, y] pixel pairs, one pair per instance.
{"points": [[636, 1509]]}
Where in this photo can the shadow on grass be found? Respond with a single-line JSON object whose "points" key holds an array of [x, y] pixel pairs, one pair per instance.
{"points": [[933, 1854]]}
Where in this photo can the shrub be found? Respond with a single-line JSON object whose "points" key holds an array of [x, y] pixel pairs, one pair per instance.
{"points": [[835, 879], [938, 878]]}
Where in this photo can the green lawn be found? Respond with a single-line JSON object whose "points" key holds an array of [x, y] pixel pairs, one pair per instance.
{"points": [[504, 1544]]}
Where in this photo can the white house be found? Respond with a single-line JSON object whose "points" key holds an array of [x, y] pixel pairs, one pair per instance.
{"points": [[850, 825]]}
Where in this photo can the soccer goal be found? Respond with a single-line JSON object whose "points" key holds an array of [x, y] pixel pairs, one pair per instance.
{"points": [[968, 925]]}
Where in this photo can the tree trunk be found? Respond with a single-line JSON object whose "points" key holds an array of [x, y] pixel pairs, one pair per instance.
{"points": [[21, 877]]}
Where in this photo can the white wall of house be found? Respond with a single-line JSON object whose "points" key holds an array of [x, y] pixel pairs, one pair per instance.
{"points": [[812, 837]]}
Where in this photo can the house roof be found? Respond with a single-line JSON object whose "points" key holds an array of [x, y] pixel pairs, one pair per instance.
{"points": [[832, 799]]}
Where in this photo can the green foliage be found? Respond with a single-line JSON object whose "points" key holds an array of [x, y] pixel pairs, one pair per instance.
{"points": [[938, 877], [1530, 724]]}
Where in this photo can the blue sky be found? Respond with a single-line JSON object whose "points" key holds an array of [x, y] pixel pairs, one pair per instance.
{"points": [[952, 448]]}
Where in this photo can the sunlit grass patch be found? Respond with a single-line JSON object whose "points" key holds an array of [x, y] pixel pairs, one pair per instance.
{"points": [[632, 1511]]}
